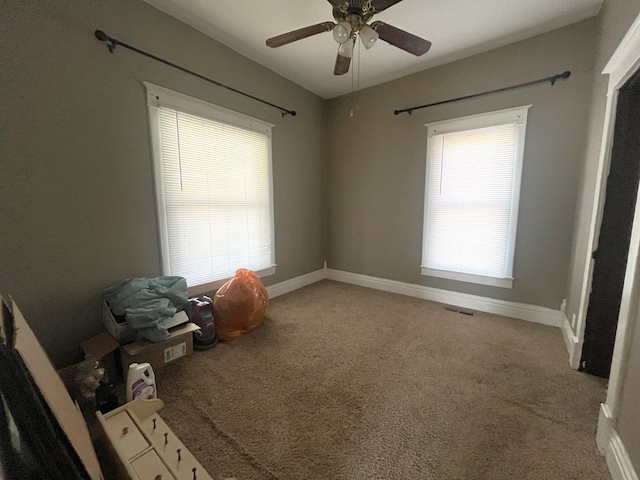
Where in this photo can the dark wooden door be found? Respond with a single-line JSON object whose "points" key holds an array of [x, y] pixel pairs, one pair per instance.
{"points": [[610, 258]]}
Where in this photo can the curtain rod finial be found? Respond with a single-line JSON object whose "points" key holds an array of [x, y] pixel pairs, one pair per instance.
{"points": [[103, 37], [555, 78]]}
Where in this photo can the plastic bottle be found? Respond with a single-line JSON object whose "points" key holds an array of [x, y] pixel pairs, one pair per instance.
{"points": [[141, 382]]}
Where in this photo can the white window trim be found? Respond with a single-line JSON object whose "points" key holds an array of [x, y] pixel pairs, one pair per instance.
{"points": [[517, 114], [467, 277], [159, 96]]}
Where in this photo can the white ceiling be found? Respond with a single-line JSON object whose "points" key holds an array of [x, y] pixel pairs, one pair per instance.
{"points": [[456, 28]]}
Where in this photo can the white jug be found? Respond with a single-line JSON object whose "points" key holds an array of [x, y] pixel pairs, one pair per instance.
{"points": [[141, 382]]}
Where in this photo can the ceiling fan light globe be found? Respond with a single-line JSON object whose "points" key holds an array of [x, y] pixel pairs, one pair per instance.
{"points": [[368, 36], [341, 32], [346, 49]]}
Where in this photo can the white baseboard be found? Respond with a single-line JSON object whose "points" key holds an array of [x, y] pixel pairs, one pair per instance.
{"points": [[531, 313], [611, 446], [574, 346], [292, 284], [606, 424], [618, 461]]}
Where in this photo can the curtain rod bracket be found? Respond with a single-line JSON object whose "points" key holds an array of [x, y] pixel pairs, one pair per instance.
{"points": [[112, 43], [103, 37]]}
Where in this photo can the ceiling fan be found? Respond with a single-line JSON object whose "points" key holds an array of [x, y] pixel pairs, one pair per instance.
{"points": [[351, 22]]}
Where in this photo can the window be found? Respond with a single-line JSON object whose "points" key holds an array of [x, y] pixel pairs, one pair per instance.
{"points": [[474, 165], [213, 186]]}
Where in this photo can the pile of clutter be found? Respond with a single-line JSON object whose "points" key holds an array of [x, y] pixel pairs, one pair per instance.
{"points": [[150, 306], [153, 322]]}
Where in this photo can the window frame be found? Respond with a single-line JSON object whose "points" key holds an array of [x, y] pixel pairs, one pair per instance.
{"points": [[472, 122], [163, 97]]}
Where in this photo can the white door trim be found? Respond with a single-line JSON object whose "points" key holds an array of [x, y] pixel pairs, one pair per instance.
{"points": [[623, 64], [596, 221]]}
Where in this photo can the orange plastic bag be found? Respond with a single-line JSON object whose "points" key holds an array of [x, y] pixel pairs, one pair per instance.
{"points": [[239, 305]]}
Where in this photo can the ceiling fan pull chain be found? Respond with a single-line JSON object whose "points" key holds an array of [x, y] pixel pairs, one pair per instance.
{"points": [[358, 80], [352, 112]]}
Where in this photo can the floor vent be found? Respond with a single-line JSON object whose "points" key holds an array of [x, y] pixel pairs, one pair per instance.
{"points": [[463, 311]]}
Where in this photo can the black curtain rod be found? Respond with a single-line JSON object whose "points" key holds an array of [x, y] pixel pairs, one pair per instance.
{"points": [[551, 80], [112, 43]]}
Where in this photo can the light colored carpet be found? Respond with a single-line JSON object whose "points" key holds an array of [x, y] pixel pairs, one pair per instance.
{"points": [[343, 382]]}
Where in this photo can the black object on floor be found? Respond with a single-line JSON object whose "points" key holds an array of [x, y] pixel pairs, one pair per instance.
{"points": [[200, 311]]}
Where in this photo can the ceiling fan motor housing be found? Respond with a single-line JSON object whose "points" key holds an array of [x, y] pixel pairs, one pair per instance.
{"points": [[354, 14]]}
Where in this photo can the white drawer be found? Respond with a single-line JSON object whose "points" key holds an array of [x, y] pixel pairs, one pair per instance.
{"points": [[126, 436], [167, 444], [150, 467], [146, 448]]}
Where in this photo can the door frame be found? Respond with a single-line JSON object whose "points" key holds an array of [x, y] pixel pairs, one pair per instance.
{"points": [[623, 64]]}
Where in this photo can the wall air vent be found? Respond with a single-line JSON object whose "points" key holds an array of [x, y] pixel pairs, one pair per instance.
{"points": [[463, 311]]}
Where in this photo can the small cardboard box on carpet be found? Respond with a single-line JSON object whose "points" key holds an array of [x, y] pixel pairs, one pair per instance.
{"points": [[103, 347], [159, 354]]}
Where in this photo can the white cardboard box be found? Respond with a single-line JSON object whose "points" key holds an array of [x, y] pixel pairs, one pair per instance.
{"points": [[124, 334]]}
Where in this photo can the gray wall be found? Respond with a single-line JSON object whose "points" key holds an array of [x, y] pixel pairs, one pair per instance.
{"points": [[628, 424], [76, 194], [377, 163]]}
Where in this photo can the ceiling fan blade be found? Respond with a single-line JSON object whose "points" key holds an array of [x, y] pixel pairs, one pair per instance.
{"points": [[299, 34], [401, 39], [380, 5], [342, 65], [337, 3]]}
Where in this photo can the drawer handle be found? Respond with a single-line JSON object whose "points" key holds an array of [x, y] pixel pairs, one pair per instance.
{"points": [[154, 423], [158, 477], [194, 472], [179, 456], [166, 439], [125, 430]]}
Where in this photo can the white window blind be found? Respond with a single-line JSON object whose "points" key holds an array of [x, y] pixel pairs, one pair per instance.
{"points": [[471, 201], [213, 179]]}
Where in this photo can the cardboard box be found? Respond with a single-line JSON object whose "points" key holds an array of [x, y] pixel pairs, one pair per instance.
{"points": [[103, 347], [65, 416], [159, 354], [118, 327]]}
